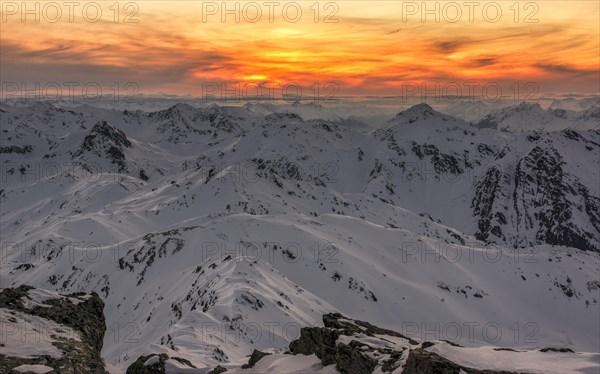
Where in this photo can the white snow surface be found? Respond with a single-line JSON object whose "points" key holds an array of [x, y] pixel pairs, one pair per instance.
{"points": [[487, 358], [252, 225], [27, 336], [38, 369]]}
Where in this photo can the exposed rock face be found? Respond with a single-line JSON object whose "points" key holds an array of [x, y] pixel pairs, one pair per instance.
{"points": [[181, 123], [78, 314], [105, 142], [352, 357], [534, 199], [254, 358], [483, 204], [337, 321], [443, 163], [353, 347], [154, 363], [218, 370], [16, 149], [322, 342], [140, 367], [421, 361], [317, 340], [385, 223]]}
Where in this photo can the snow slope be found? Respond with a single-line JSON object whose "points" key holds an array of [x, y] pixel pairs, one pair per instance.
{"points": [[209, 232]]}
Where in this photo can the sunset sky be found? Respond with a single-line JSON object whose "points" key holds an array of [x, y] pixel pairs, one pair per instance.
{"points": [[373, 49]]}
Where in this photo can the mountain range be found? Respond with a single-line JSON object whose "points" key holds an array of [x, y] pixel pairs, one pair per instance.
{"points": [[210, 232]]}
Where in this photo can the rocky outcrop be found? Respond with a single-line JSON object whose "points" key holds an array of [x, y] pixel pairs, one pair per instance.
{"points": [[350, 355], [71, 325], [421, 361], [254, 358], [359, 347], [16, 149], [154, 363], [535, 199], [105, 142]]}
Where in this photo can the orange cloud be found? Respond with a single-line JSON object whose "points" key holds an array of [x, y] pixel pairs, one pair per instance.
{"points": [[372, 48]]}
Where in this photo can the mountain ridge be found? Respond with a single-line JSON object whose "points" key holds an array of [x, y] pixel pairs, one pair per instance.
{"points": [[283, 220]]}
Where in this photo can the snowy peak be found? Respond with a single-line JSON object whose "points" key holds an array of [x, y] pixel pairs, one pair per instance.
{"points": [[532, 117], [508, 118], [275, 118], [576, 104], [245, 217], [183, 123], [417, 112], [102, 132], [423, 115], [421, 108], [175, 112], [592, 115], [104, 142], [528, 107]]}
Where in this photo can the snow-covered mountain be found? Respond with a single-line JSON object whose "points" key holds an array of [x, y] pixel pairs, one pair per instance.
{"points": [[474, 110], [575, 103], [45, 332], [210, 232], [528, 117]]}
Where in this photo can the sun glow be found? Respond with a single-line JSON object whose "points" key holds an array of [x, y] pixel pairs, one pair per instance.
{"points": [[182, 44]]}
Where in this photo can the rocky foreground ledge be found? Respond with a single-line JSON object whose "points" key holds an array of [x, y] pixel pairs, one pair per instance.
{"points": [[349, 346], [47, 332]]}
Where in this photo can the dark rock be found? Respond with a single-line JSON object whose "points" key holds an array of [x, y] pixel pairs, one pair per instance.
{"points": [[218, 370], [562, 350], [158, 367], [318, 340], [16, 149], [254, 358], [86, 318], [421, 361]]}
